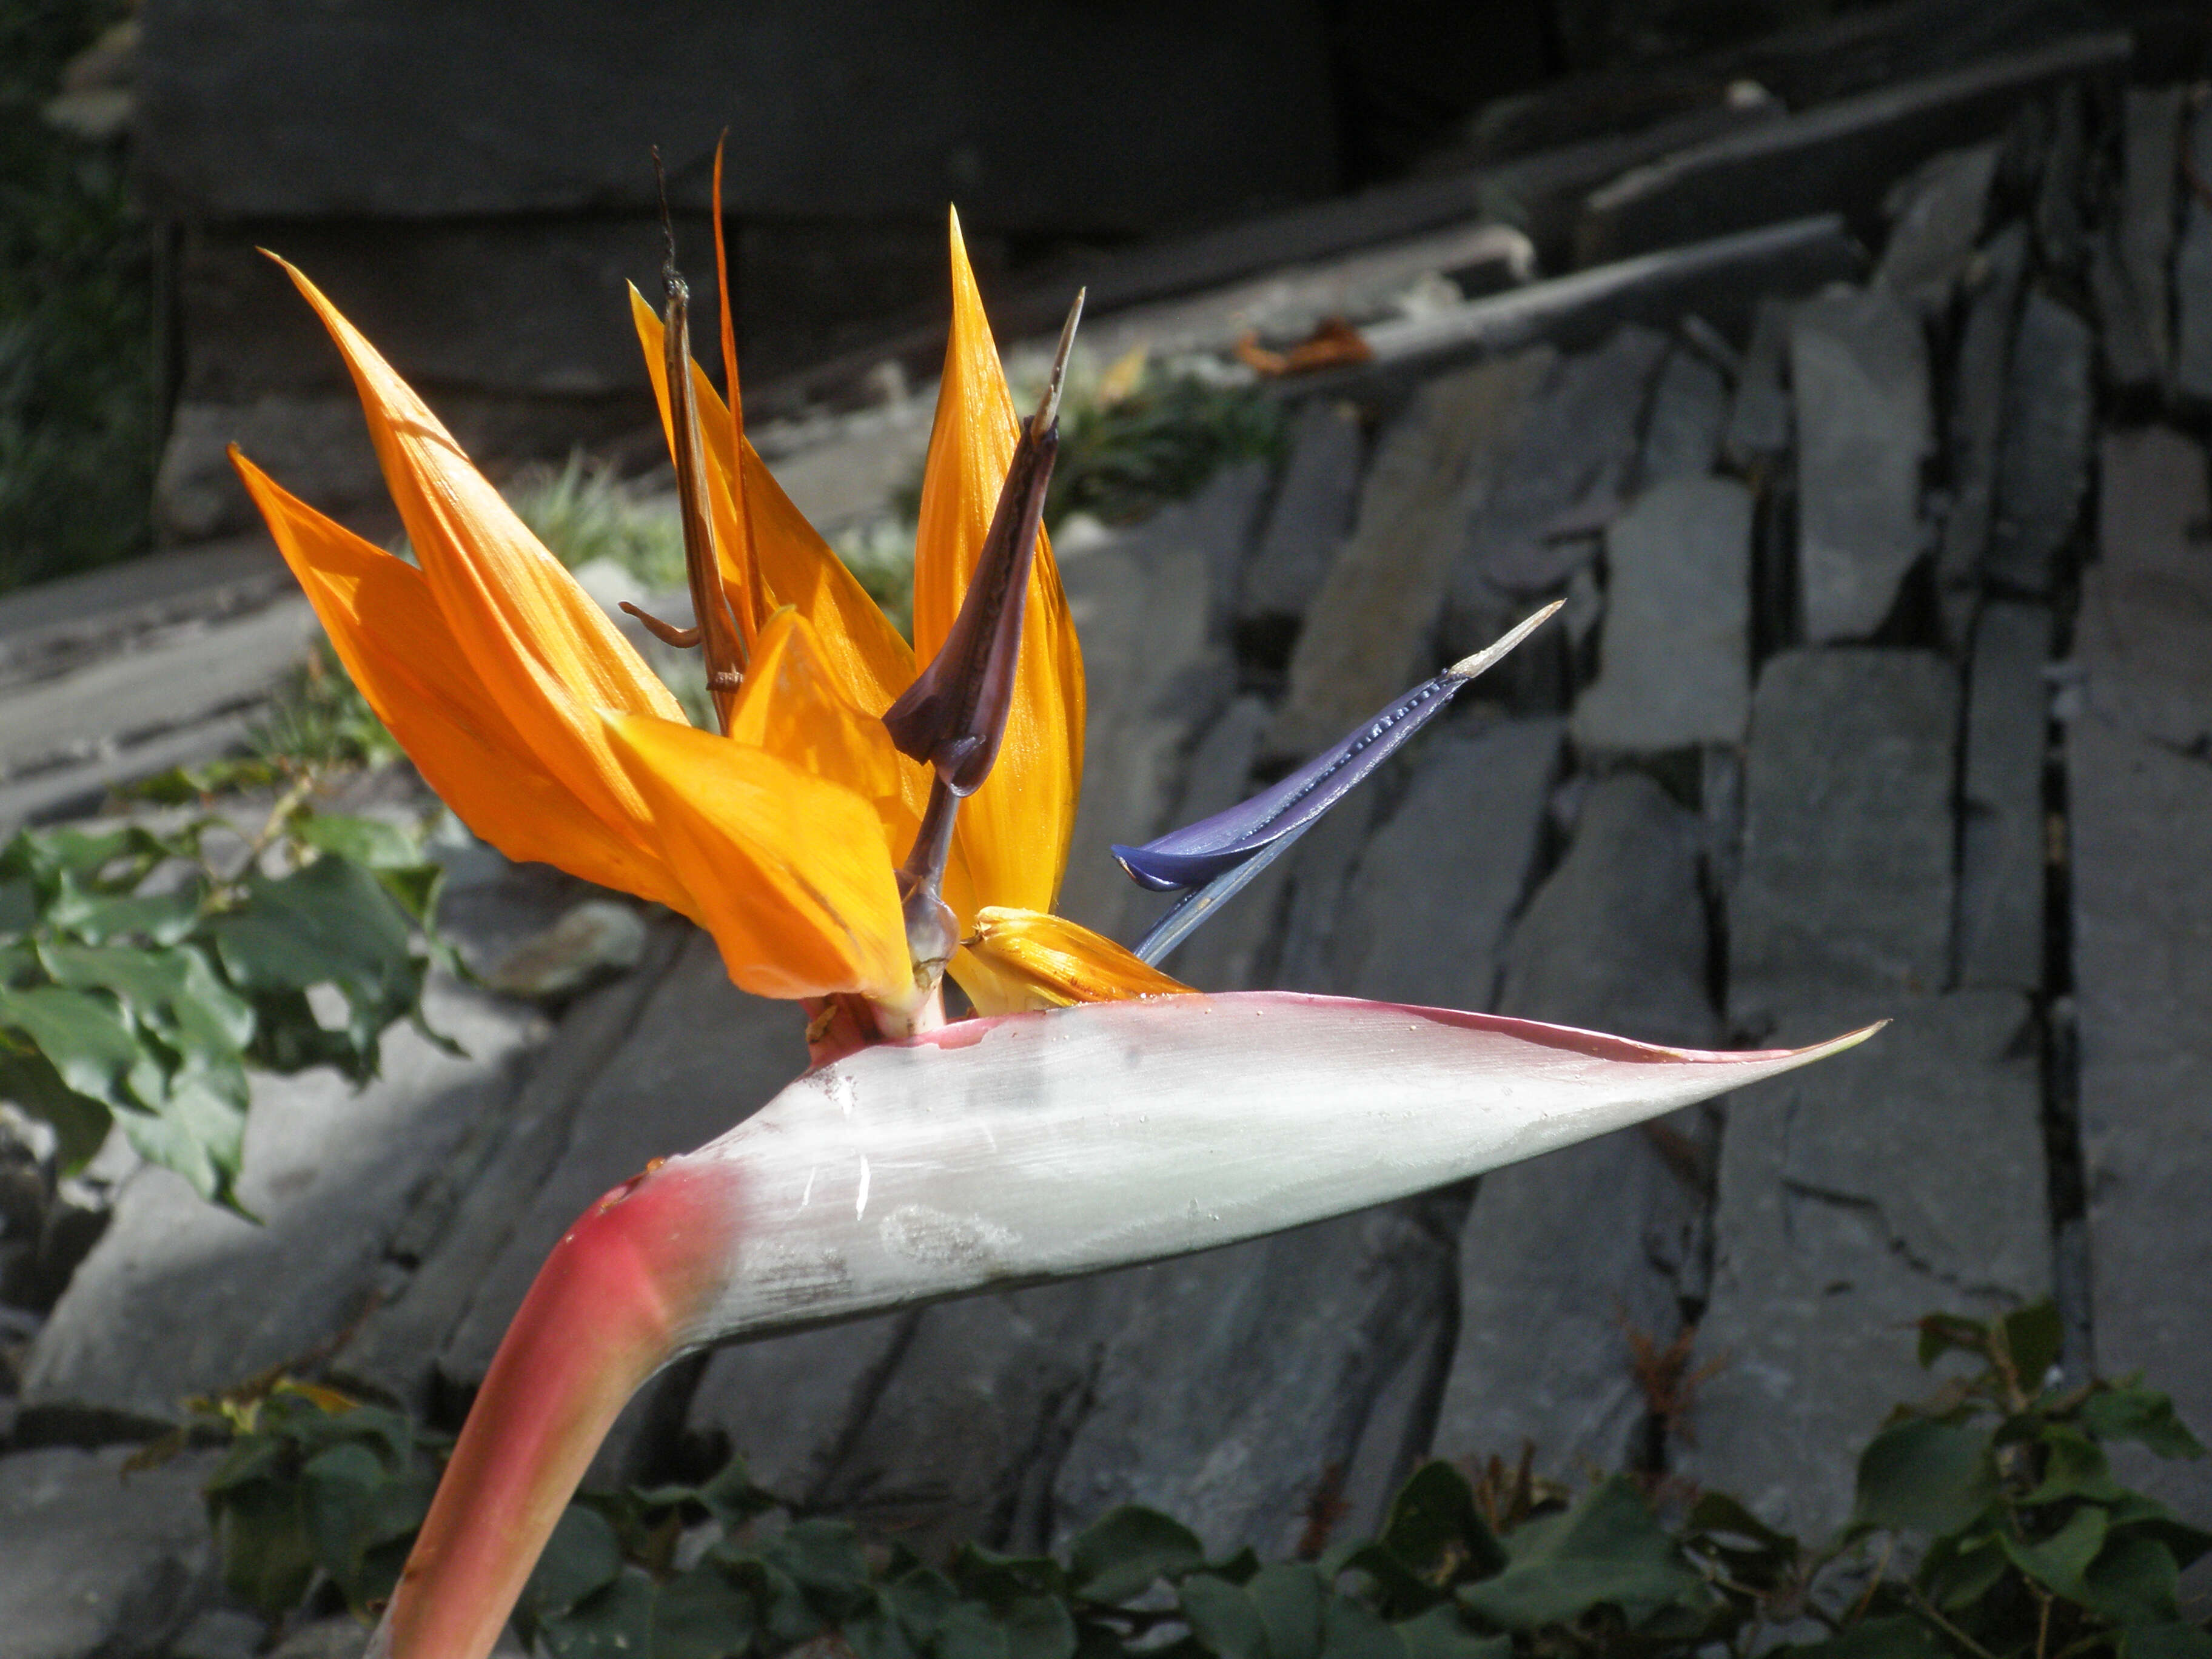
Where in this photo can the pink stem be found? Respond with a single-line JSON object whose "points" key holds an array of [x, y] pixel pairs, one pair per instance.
{"points": [[611, 1306]]}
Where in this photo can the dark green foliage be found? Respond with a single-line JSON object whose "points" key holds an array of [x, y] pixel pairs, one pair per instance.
{"points": [[2031, 1549], [142, 971], [77, 335]]}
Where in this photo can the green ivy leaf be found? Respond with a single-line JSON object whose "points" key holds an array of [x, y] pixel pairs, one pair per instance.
{"points": [[339, 1486], [1289, 1597], [700, 1614], [1350, 1630], [262, 1540], [1440, 1633], [613, 1621], [80, 1123], [2133, 1581], [1609, 1550], [1924, 1476], [2058, 1562], [583, 1557], [1126, 1550], [1038, 1627], [1873, 1638], [370, 841], [1433, 1517], [2075, 1466], [1958, 1572], [2136, 1515], [84, 1039], [875, 1631], [2143, 1415], [823, 1559], [2174, 1641], [2033, 1335], [922, 1598], [1222, 1617]]}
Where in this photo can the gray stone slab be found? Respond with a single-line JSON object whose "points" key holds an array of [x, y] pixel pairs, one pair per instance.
{"points": [[2192, 273], [1154, 676], [1689, 408], [1236, 1380], [1311, 951], [2060, 231], [1311, 514], [94, 1561], [1859, 375], [1935, 218], [2140, 817], [1432, 471], [2122, 333], [2150, 164], [1840, 156], [1567, 473], [2043, 463], [1441, 881], [2001, 847], [261, 112], [1560, 1253], [790, 1404], [56, 625], [1977, 422], [1849, 843], [180, 1297], [1758, 420], [961, 1441], [1903, 1177], [457, 1221], [1675, 655], [1719, 280], [701, 1056], [187, 676]]}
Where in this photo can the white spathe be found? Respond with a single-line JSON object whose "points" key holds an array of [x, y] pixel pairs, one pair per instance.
{"points": [[1040, 1147]]}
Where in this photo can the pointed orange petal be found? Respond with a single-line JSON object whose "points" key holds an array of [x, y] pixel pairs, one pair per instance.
{"points": [[388, 631], [796, 566], [791, 873], [1054, 962], [793, 706], [1015, 828], [545, 652]]}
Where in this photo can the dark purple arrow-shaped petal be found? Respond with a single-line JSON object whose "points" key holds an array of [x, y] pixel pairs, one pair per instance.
{"points": [[1198, 853]]}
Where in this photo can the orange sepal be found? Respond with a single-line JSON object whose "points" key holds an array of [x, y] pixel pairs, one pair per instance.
{"points": [[1015, 828], [791, 873], [388, 632], [1050, 962], [796, 566], [544, 651]]}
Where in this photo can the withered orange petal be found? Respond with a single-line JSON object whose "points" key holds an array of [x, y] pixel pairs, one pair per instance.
{"points": [[1015, 828], [791, 872], [796, 566], [391, 637], [545, 650], [1050, 962]]}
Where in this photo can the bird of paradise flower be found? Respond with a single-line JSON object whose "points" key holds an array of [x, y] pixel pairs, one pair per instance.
{"points": [[856, 829]]}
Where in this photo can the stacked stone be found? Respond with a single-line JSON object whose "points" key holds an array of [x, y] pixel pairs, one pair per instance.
{"points": [[1789, 762]]}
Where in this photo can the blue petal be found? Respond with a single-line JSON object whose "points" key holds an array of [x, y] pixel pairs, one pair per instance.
{"points": [[1199, 853]]}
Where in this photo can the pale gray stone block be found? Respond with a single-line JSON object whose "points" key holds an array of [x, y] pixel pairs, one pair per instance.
{"points": [[1238, 1378], [2150, 165], [1903, 1177], [1560, 1253], [2043, 463], [1859, 374], [1758, 420], [788, 1405], [1674, 657], [1311, 514], [1977, 406], [1376, 609], [94, 1561], [1426, 918], [2140, 799], [1936, 217], [1689, 407], [701, 1057], [180, 1297], [2192, 273], [1848, 842], [2002, 839]]}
